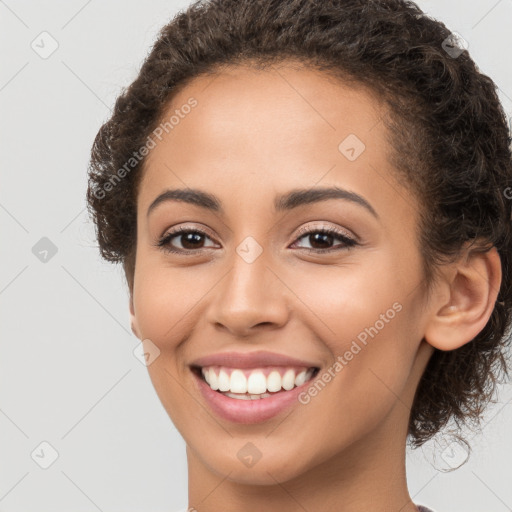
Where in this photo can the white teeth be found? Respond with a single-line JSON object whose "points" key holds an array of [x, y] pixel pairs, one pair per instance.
{"points": [[239, 397], [257, 397], [245, 396], [238, 382], [213, 379], [289, 380], [274, 381], [256, 385], [224, 381], [301, 378]]}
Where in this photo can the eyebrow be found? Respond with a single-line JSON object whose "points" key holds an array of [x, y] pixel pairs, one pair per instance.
{"points": [[285, 202]]}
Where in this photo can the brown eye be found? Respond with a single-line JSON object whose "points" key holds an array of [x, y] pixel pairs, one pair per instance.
{"points": [[321, 239], [188, 241]]}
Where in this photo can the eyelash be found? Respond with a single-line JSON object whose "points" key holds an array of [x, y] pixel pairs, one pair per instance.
{"points": [[164, 242]]}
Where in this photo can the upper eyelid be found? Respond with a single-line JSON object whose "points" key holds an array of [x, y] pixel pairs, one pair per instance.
{"points": [[179, 229], [337, 230]]}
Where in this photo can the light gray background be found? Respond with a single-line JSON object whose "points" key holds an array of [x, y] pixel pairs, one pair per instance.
{"points": [[68, 373]]}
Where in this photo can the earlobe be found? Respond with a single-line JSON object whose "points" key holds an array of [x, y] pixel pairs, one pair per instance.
{"points": [[473, 287], [133, 319]]}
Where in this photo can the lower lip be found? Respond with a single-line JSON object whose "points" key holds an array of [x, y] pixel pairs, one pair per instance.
{"points": [[249, 411]]}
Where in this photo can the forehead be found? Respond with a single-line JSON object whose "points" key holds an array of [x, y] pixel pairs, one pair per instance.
{"points": [[271, 130], [275, 108]]}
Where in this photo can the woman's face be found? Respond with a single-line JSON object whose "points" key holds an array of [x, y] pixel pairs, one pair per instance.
{"points": [[254, 273]]}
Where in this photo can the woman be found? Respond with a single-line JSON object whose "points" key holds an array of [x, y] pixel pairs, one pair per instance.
{"points": [[309, 201]]}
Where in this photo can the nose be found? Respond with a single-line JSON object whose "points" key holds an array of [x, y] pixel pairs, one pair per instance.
{"points": [[251, 297]]}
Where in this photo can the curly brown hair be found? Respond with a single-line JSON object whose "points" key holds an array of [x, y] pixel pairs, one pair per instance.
{"points": [[450, 138]]}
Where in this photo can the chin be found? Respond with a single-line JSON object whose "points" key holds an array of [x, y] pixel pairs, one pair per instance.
{"points": [[273, 465]]}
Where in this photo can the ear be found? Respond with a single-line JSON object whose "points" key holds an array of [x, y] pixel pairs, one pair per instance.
{"points": [[464, 299], [133, 319]]}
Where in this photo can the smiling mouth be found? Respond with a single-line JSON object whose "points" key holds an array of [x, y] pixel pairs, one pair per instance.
{"points": [[254, 383]]}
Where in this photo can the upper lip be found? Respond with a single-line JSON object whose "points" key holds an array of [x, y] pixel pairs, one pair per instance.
{"points": [[250, 360]]}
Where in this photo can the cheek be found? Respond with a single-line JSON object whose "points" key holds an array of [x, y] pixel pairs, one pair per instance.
{"points": [[165, 305], [365, 318], [349, 302], [165, 302]]}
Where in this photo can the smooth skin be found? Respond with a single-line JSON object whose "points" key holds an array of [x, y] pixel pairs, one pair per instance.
{"points": [[255, 134]]}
